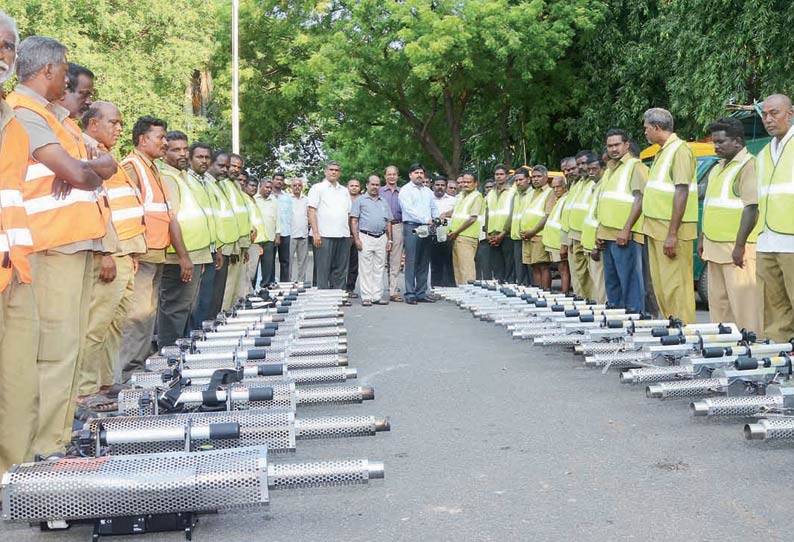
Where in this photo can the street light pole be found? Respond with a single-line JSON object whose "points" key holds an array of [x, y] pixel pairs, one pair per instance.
{"points": [[235, 77]]}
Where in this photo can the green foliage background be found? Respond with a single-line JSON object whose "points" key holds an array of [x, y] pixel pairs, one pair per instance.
{"points": [[455, 84]]}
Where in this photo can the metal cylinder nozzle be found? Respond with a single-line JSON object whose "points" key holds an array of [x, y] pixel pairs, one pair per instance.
{"points": [[323, 473], [647, 375], [325, 427], [743, 406], [339, 394], [756, 431], [688, 388], [699, 408]]}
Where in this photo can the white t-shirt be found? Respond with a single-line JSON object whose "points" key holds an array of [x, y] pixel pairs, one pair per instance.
{"points": [[333, 209], [300, 216], [445, 203], [770, 241]]}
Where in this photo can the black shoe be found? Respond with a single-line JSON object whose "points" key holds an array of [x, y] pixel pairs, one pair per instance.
{"points": [[425, 300], [352, 295], [410, 301]]}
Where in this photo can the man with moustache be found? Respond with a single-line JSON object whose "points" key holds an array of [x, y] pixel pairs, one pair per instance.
{"points": [[299, 244], [521, 198], [441, 273], [391, 193], [178, 298], [284, 198]]}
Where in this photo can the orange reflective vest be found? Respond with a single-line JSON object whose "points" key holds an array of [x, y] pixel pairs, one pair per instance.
{"points": [[125, 205], [155, 205], [52, 222], [15, 239]]}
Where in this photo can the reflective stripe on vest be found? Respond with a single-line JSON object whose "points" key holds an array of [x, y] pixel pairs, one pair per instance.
{"points": [[579, 204], [16, 241], [257, 220], [198, 185], [154, 203], [535, 210], [191, 217], [616, 198], [498, 208], [552, 231], [125, 206], [241, 215], [462, 212], [57, 222], [225, 221], [778, 181], [722, 208], [520, 202], [590, 223], [657, 202]]}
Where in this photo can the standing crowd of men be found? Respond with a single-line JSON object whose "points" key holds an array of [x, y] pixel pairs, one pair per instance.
{"points": [[101, 257]]}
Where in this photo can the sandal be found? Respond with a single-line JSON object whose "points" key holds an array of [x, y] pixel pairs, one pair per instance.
{"points": [[112, 392], [97, 403], [397, 298]]}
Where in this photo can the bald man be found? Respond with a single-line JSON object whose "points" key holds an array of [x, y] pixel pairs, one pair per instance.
{"points": [[775, 248]]}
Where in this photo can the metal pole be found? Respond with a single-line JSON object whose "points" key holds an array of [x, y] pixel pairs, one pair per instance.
{"points": [[235, 77]]}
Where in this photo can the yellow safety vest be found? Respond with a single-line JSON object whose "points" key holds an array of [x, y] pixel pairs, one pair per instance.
{"points": [[616, 198], [241, 215], [657, 202], [722, 206], [191, 216], [535, 209], [590, 222], [257, 220], [499, 209], [579, 203], [520, 202], [552, 231], [565, 218], [205, 200], [225, 221], [778, 182], [462, 212]]}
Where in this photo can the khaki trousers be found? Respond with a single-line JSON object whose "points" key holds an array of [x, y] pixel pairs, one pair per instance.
{"points": [[595, 270], [572, 269], [232, 282], [580, 268], [775, 274], [62, 285], [733, 294], [19, 378], [106, 314], [136, 338], [371, 263], [673, 279], [248, 272], [395, 257], [464, 250]]}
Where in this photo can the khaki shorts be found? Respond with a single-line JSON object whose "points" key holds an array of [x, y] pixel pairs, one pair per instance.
{"points": [[533, 252], [554, 255]]}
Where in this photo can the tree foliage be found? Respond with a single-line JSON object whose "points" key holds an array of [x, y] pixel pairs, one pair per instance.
{"points": [[143, 53]]}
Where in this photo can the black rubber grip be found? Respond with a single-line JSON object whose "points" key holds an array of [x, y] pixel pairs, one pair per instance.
{"points": [[260, 394], [281, 310], [260, 342], [209, 398], [614, 324], [587, 318], [541, 304], [270, 325], [257, 353], [286, 303], [660, 332], [270, 370], [670, 340], [571, 313], [224, 431], [746, 363], [267, 332], [715, 352], [557, 308]]}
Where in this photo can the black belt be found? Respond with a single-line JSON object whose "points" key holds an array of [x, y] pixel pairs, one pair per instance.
{"points": [[396, 221], [372, 233], [414, 223]]}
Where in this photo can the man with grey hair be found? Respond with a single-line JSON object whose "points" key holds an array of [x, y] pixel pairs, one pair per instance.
{"points": [[65, 219], [19, 327], [329, 208], [299, 226], [670, 213]]}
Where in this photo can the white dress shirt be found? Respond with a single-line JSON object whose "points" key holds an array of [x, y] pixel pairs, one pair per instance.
{"points": [[300, 217], [770, 241], [332, 203], [445, 204], [418, 203]]}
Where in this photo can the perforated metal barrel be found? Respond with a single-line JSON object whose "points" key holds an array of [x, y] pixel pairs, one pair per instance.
{"points": [[601, 347], [159, 363], [780, 428], [647, 375], [691, 388], [272, 428], [618, 359], [136, 484], [735, 406], [323, 473], [298, 376], [559, 339]]}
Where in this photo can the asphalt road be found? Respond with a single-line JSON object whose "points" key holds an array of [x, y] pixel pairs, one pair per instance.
{"points": [[494, 439]]}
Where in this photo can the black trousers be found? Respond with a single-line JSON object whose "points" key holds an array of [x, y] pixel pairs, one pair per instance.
{"points": [[481, 265], [441, 272], [522, 271], [352, 268], [218, 288], [417, 262], [282, 251], [177, 300], [500, 260], [267, 263], [331, 261]]}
